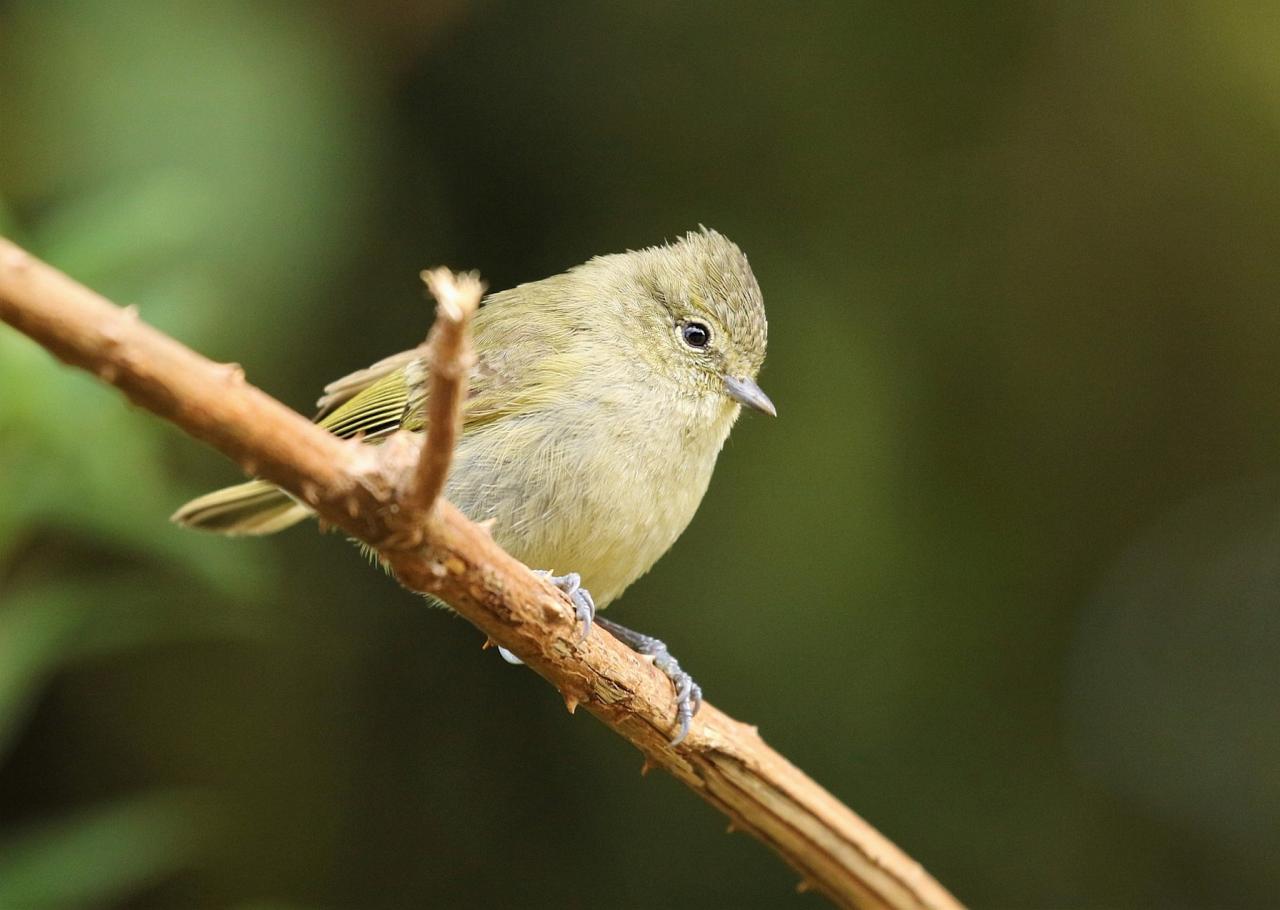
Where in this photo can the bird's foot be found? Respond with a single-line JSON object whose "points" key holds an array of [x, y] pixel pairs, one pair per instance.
{"points": [[688, 692], [584, 606]]}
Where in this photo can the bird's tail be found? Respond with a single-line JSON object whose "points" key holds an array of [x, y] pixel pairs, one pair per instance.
{"points": [[252, 508]]}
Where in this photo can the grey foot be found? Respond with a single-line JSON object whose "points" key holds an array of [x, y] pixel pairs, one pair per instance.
{"points": [[584, 606], [688, 692]]}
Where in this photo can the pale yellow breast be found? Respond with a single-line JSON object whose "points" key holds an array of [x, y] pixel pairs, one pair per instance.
{"points": [[602, 488]]}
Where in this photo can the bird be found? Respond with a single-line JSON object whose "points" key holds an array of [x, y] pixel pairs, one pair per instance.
{"points": [[597, 405]]}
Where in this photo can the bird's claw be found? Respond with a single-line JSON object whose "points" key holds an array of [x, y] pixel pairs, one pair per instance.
{"points": [[688, 692], [584, 606]]}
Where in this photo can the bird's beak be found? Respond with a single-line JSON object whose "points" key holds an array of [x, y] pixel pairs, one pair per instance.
{"points": [[745, 391]]}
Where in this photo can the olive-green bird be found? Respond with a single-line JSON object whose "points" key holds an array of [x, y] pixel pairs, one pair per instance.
{"points": [[599, 401]]}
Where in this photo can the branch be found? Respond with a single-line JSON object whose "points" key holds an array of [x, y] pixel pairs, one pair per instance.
{"points": [[450, 360], [357, 488]]}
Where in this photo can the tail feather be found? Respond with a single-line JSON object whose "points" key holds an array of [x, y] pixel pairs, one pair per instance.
{"points": [[252, 508]]}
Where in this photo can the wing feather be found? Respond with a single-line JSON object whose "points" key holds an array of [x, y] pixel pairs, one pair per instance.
{"points": [[521, 372], [343, 390], [376, 411]]}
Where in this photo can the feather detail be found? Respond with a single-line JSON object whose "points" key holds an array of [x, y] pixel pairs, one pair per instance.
{"points": [[252, 508], [376, 411], [343, 390]]}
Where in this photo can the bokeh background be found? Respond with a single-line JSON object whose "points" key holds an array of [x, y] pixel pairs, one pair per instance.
{"points": [[1004, 575]]}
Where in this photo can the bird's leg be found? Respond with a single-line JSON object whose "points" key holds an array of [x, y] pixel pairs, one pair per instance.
{"points": [[688, 692], [584, 607]]}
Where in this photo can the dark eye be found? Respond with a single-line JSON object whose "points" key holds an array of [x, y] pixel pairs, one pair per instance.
{"points": [[695, 334]]}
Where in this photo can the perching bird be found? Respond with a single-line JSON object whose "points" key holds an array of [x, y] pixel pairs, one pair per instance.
{"points": [[599, 401]]}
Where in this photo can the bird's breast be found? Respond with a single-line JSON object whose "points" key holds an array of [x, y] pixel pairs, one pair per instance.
{"points": [[601, 488]]}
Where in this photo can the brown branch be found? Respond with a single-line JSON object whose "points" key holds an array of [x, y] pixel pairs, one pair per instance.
{"points": [[355, 487], [449, 359]]}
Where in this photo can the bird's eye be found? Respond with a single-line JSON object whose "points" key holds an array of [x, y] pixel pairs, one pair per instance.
{"points": [[695, 334]]}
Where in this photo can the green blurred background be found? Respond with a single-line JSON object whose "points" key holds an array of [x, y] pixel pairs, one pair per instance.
{"points": [[1004, 575]]}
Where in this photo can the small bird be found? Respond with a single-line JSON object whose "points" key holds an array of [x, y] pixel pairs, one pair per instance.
{"points": [[598, 403]]}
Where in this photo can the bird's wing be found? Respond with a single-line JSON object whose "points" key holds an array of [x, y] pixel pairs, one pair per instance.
{"points": [[343, 390], [378, 409], [520, 366], [497, 386]]}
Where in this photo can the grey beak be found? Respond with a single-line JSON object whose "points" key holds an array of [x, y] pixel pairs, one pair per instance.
{"points": [[745, 391]]}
